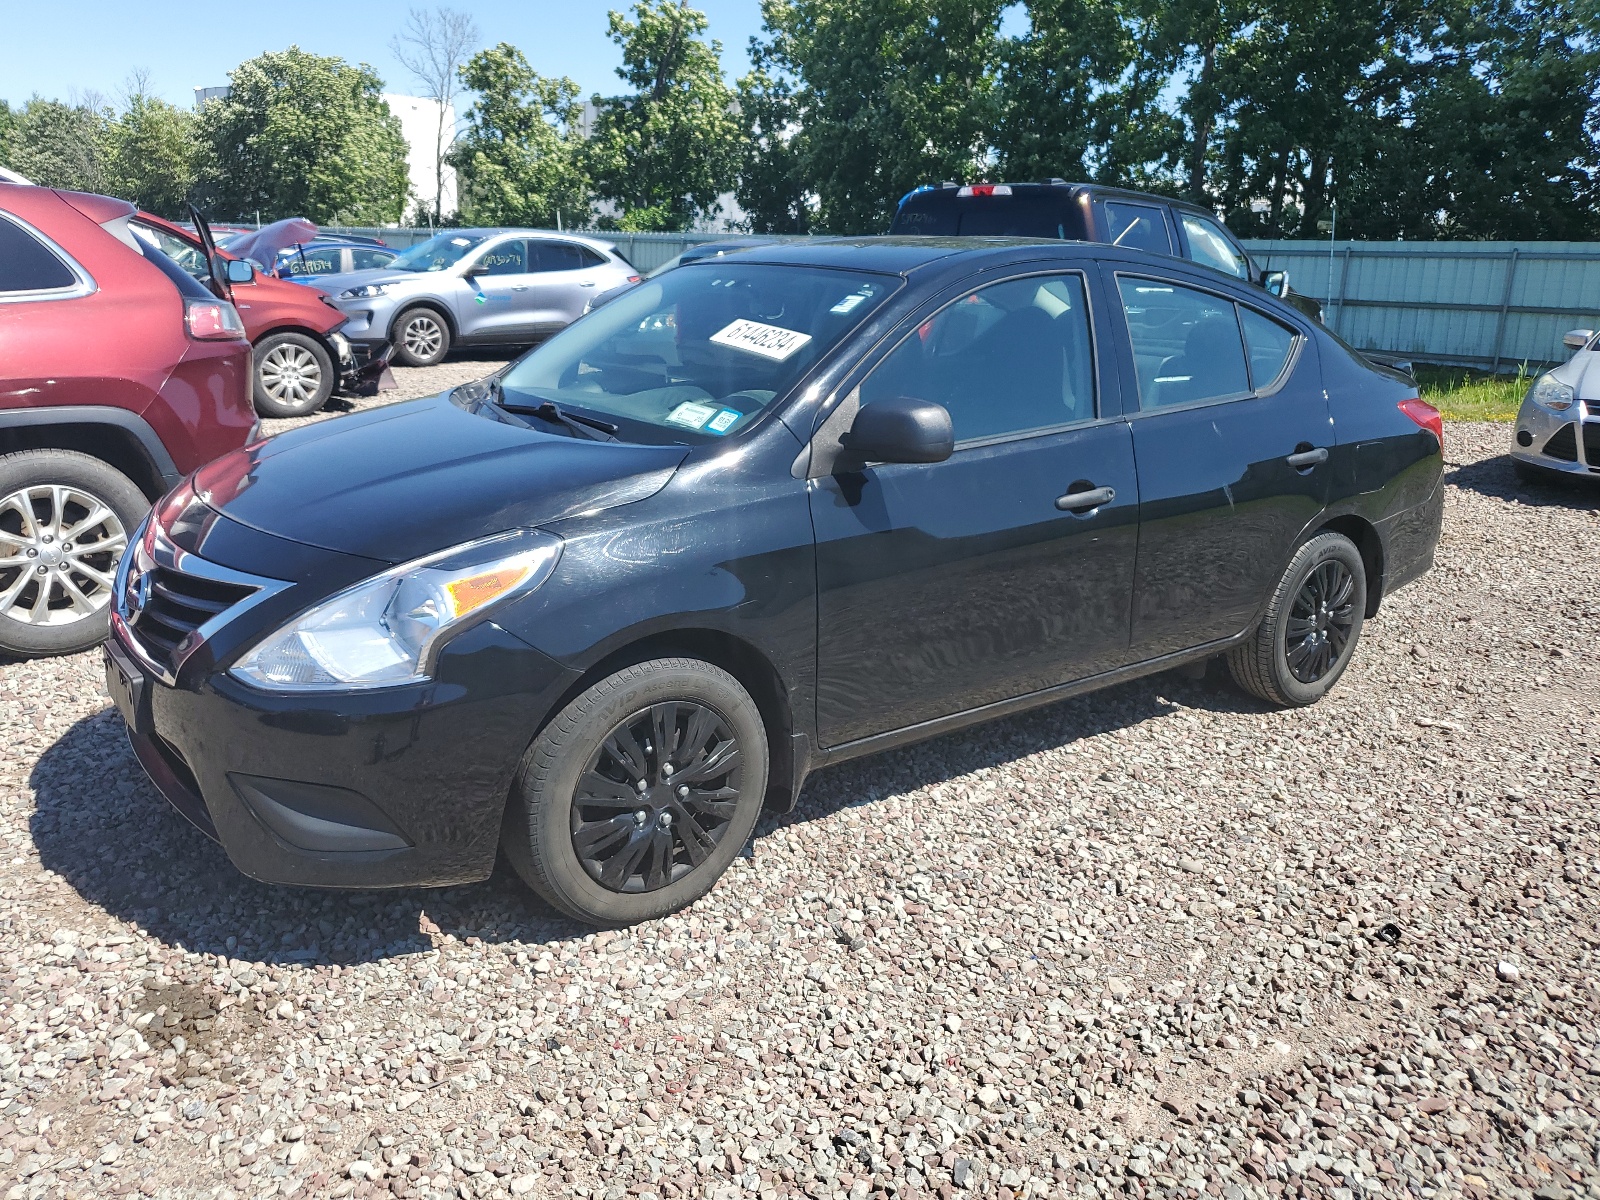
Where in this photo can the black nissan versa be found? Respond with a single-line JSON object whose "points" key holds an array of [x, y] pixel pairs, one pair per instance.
{"points": [[759, 514]]}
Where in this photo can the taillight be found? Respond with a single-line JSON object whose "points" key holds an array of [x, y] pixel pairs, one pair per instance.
{"points": [[635, 278], [985, 189], [1425, 415], [213, 321]]}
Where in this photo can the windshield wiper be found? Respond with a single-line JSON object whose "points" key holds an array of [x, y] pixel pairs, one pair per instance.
{"points": [[589, 427]]}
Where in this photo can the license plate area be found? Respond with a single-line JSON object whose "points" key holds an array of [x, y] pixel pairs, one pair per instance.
{"points": [[126, 684]]}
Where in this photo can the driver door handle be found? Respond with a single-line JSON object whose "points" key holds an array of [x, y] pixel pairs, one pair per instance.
{"points": [[1083, 501], [1303, 459], [585, 283], [519, 287]]}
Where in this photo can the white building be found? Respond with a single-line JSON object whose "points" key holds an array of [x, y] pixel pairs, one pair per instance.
{"points": [[419, 124]]}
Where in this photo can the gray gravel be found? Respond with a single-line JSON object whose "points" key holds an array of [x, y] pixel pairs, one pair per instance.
{"points": [[1156, 941]]}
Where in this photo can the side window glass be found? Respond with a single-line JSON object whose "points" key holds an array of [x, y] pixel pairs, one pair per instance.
{"points": [[27, 266], [1186, 344], [1210, 247], [322, 261], [554, 256], [1137, 226], [365, 260], [1009, 358], [508, 258], [1269, 345]]}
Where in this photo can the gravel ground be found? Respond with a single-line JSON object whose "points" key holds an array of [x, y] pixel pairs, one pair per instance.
{"points": [[1155, 941]]}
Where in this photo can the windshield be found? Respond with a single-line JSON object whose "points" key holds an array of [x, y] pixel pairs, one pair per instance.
{"points": [[438, 253], [699, 352]]}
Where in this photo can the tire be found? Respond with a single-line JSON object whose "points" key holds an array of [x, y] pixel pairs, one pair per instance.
{"points": [[42, 494], [1262, 665], [421, 337], [547, 814], [292, 375]]}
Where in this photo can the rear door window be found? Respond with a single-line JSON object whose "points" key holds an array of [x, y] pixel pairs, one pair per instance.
{"points": [[1027, 214], [1269, 345], [362, 259], [1186, 344], [1137, 226], [555, 256], [1209, 246], [28, 265]]}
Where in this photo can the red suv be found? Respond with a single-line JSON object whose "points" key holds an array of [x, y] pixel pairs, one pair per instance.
{"points": [[119, 374]]}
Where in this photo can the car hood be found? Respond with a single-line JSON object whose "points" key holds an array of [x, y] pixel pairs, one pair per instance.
{"points": [[1581, 372], [425, 280], [405, 480], [262, 246]]}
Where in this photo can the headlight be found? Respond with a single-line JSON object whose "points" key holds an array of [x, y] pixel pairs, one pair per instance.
{"points": [[1547, 392], [365, 291], [384, 631]]}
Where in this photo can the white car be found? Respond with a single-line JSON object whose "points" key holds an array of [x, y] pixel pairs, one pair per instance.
{"points": [[1558, 426]]}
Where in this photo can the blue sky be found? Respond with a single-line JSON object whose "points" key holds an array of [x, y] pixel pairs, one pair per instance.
{"points": [[93, 45]]}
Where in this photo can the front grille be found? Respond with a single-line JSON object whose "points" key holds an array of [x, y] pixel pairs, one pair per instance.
{"points": [[177, 605], [1563, 446], [1591, 444]]}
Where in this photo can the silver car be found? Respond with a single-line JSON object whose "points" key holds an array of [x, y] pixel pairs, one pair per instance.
{"points": [[1558, 426], [475, 287]]}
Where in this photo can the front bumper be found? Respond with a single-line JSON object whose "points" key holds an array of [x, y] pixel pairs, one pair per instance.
{"points": [[1567, 442], [364, 368], [389, 787]]}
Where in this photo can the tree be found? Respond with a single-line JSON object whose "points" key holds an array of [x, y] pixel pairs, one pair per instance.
{"points": [[772, 187], [520, 159], [304, 135], [8, 133], [666, 152], [433, 46], [62, 145], [155, 152], [894, 93]]}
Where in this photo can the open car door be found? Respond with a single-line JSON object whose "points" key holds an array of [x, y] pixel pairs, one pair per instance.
{"points": [[219, 271]]}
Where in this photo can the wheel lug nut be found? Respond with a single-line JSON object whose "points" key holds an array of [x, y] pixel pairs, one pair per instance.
{"points": [[43, 570], [682, 792], [666, 770], [642, 785], [640, 817], [666, 820], [32, 553]]}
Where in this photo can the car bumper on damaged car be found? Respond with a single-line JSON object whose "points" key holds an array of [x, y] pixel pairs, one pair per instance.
{"points": [[364, 366], [321, 789]]}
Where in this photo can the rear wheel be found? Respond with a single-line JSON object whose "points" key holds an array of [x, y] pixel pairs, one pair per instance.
{"points": [[421, 338], [64, 522], [293, 375], [1313, 622], [636, 797]]}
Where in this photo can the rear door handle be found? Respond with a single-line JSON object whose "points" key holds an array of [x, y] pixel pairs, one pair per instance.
{"points": [[1083, 501], [519, 287], [586, 283], [1303, 459]]}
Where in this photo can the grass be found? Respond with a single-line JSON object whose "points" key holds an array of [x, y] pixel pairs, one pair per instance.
{"points": [[1466, 395]]}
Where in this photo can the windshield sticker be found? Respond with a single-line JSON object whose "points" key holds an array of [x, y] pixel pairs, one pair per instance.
{"points": [[765, 341], [460, 241], [691, 415], [724, 420], [849, 303]]}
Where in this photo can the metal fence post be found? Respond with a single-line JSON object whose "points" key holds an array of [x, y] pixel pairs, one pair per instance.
{"points": [[1505, 307], [1344, 278]]}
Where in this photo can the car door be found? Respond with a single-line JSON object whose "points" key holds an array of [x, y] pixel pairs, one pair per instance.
{"points": [[564, 279], [494, 304], [1232, 434], [1005, 569]]}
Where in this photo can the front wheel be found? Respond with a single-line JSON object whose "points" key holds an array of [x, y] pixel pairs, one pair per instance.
{"points": [[293, 375], [1313, 622], [636, 797], [64, 522], [421, 338]]}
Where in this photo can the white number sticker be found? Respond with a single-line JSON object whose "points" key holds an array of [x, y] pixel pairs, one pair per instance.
{"points": [[767, 341]]}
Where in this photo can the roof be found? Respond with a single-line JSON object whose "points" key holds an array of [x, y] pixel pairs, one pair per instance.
{"points": [[1071, 190]]}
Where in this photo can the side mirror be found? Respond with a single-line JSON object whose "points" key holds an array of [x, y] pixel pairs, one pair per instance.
{"points": [[474, 271], [901, 430], [240, 271], [1577, 339], [1276, 283]]}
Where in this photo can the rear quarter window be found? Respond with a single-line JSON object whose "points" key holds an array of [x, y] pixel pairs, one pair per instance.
{"points": [[186, 283], [27, 264]]}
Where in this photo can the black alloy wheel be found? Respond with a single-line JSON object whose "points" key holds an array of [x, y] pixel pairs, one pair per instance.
{"points": [[1312, 623], [1321, 621], [657, 797]]}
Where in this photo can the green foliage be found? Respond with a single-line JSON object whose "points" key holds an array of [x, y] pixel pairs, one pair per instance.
{"points": [[62, 145], [8, 132], [1463, 395], [520, 161], [772, 187], [155, 155], [305, 135], [665, 153]]}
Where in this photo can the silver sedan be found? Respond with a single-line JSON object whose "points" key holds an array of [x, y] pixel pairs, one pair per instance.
{"points": [[1558, 426], [475, 287]]}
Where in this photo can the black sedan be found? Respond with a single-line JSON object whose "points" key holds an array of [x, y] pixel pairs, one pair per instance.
{"points": [[765, 512]]}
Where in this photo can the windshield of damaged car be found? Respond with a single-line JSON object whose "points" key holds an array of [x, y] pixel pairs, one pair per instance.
{"points": [[698, 353], [438, 253]]}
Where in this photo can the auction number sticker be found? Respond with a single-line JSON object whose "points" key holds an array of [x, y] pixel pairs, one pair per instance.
{"points": [[767, 341], [691, 415]]}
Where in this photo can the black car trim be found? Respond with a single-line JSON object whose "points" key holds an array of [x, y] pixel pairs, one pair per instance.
{"points": [[159, 460]]}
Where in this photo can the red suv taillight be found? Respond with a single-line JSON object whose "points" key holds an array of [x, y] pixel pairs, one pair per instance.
{"points": [[1425, 415], [213, 321]]}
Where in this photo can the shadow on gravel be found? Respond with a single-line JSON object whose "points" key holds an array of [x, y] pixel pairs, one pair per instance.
{"points": [[1497, 478], [101, 826]]}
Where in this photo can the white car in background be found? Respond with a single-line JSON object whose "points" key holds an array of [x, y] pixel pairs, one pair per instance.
{"points": [[1558, 426]]}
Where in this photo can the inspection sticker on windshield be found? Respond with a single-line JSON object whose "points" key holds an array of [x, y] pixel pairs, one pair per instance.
{"points": [[724, 420], [691, 415], [851, 301], [768, 341]]}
